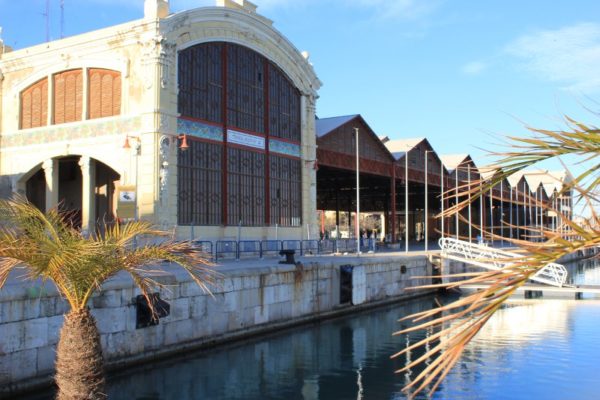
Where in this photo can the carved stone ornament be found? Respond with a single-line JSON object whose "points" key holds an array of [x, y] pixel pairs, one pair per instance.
{"points": [[163, 173], [157, 51]]}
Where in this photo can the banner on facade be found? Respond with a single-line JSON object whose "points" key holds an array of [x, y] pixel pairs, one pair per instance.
{"points": [[245, 139], [126, 203]]}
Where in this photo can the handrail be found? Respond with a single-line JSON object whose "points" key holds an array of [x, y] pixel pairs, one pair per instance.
{"points": [[495, 259]]}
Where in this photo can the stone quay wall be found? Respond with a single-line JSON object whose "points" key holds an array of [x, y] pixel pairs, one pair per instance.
{"points": [[248, 300]]}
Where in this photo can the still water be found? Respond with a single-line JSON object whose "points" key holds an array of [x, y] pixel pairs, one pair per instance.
{"points": [[531, 349]]}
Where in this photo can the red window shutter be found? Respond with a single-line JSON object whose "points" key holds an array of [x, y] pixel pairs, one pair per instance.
{"points": [[34, 105], [94, 94], [59, 99], [68, 96], [26, 109], [104, 93]]}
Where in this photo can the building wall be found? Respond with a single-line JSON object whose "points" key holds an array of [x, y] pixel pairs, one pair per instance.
{"points": [[145, 53]]}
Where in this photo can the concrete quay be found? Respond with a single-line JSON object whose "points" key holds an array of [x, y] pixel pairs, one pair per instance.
{"points": [[252, 297]]}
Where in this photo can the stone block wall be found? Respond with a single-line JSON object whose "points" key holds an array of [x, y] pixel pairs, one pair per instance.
{"points": [[247, 300]]}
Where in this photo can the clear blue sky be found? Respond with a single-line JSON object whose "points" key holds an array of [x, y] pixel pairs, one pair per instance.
{"points": [[461, 73]]}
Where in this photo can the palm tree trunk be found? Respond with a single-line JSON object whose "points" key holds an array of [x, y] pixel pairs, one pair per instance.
{"points": [[79, 363]]}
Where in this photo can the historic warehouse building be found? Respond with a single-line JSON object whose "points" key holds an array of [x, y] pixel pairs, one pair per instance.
{"points": [[204, 122], [199, 118]]}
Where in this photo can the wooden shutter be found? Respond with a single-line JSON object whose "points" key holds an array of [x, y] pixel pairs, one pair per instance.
{"points": [[104, 97], [34, 105], [68, 93]]}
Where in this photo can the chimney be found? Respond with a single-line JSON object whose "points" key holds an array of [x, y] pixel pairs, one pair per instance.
{"points": [[239, 4], [154, 9]]}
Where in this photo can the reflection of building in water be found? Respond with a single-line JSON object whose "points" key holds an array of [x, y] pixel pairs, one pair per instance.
{"points": [[585, 272], [522, 321]]}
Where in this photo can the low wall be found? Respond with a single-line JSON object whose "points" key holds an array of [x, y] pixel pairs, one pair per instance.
{"points": [[249, 300]]}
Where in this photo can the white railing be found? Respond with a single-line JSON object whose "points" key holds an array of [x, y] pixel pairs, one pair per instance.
{"points": [[495, 259]]}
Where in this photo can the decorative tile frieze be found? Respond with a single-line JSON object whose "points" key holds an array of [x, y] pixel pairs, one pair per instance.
{"points": [[282, 147], [80, 130], [199, 129]]}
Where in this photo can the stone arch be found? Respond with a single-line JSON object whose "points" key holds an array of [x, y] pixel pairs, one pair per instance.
{"points": [[212, 24], [81, 187]]}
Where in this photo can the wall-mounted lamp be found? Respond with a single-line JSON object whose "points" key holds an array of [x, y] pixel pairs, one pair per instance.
{"points": [[184, 144], [138, 143]]}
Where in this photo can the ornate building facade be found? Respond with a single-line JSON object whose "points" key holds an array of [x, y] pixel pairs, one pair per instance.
{"points": [[201, 121]]}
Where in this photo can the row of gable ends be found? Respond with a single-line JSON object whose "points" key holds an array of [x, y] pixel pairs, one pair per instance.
{"points": [[550, 182]]}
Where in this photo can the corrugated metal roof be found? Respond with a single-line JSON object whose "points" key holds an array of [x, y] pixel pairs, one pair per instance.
{"points": [[326, 125], [451, 161]]}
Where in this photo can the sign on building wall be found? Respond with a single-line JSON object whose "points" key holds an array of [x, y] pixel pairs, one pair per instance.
{"points": [[245, 139], [126, 203]]}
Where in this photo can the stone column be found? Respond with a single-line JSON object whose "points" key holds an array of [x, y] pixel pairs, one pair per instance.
{"points": [[50, 167], [88, 198]]}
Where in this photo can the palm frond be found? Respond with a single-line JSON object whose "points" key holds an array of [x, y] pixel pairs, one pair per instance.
{"points": [[48, 247], [459, 321]]}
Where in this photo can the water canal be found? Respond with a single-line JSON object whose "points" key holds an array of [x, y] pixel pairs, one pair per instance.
{"points": [[531, 349]]}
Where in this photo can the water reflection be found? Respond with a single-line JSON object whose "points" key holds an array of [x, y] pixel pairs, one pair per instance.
{"points": [[346, 358], [530, 349]]}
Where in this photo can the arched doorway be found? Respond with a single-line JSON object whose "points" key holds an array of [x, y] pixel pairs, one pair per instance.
{"points": [[82, 188]]}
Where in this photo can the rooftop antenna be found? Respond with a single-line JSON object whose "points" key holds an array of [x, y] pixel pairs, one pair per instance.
{"points": [[62, 19], [47, 15]]}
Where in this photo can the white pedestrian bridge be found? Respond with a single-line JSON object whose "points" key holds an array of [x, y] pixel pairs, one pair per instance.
{"points": [[495, 259]]}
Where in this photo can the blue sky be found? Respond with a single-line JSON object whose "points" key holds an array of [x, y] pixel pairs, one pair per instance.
{"points": [[461, 73]]}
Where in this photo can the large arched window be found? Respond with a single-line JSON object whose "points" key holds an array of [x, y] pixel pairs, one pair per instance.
{"points": [[255, 109]]}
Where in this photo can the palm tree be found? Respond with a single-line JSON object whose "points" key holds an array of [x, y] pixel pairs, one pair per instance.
{"points": [[456, 323], [47, 247]]}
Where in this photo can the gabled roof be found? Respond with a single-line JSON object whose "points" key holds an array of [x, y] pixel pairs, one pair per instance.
{"points": [[326, 125], [550, 180], [399, 147], [452, 161], [515, 178]]}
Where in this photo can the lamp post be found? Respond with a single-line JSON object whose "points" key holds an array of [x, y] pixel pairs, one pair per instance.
{"points": [[501, 214], [510, 217], [406, 200], [442, 176], [357, 228], [456, 201], [469, 191], [427, 199], [517, 212], [492, 216]]}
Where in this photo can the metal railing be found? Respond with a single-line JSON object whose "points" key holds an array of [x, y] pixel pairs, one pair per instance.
{"points": [[495, 259], [235, 250]]}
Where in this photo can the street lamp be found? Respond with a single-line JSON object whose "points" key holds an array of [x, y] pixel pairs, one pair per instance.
{"points": [[427, 199], [357, 228], [405, 199], [442, 176], [469, 191]]}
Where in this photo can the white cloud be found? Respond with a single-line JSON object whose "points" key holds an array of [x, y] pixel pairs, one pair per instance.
{"points": [[569, 56], [474, 68]]}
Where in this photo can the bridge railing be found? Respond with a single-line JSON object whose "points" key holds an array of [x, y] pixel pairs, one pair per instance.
{"points": [[492, 258]]}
